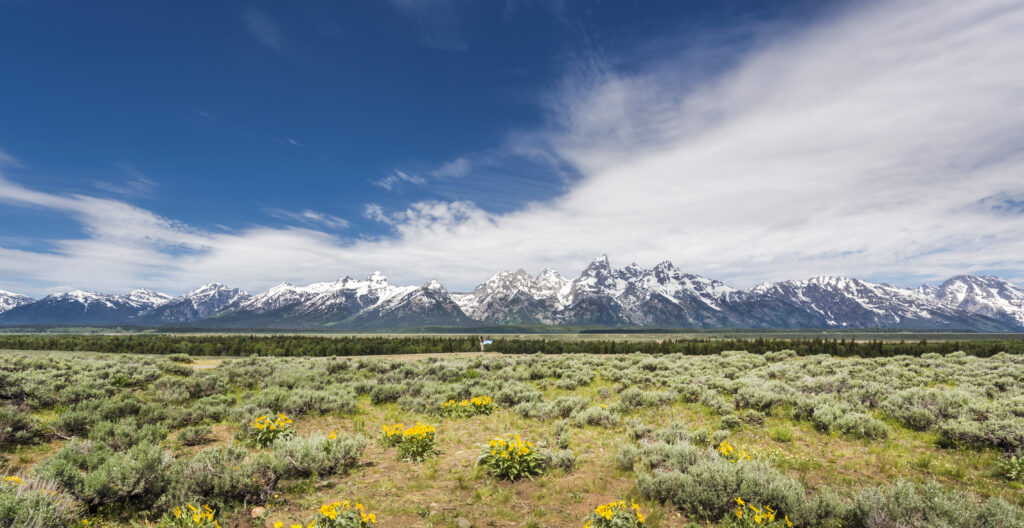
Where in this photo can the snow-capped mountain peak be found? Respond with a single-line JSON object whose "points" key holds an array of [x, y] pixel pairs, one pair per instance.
{"points": [[9, 300], [986, 295], [660, 296], [148, 298]]}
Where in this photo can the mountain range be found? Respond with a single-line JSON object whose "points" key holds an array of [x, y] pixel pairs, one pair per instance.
{"points": [[601, 296]]}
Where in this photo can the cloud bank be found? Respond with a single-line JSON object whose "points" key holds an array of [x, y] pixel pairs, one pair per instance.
{"points": [[882, 142]]}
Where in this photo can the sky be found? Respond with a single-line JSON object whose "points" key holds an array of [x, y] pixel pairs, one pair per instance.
{"points": [[171, 144]]}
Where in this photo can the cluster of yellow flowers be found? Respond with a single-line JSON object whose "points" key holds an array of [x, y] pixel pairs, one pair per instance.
{"points": [[749, 515], [414, 443], [266, 431], [511, 457], [470, 407], [392, 434], [728, 451], [616, 513], [340, 514], [420, 430], [264, 423], [15, 480], [192, 517], [93, 523], [511, 446]]}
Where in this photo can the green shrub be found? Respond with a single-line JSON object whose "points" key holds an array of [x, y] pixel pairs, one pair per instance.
{"points": [[126, 433], [708, 488], [343, 514], [386, 393], [1012, 466], [99, 476], [195, 435], [17, 428], [318, 454], [615, 514], [31, 503], [263, 431], [72, 423], [927, 505], [417, 443], [563, 459], [599, 416], [189, 516], [626, 457], [781, 433], [226, 475], [730, 421], [468, 407], [511, 458]]}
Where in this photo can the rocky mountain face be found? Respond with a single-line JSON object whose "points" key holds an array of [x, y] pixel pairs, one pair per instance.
{"points": [[663, 296], [345, 303], [84, 308], [194, 305], [840, 302], [987, 295], [601, 296], [10, 300]]}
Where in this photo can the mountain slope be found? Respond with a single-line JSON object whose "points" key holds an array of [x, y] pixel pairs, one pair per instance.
{"points": [[80, 307], [346, 303], [10, 300], [600, 296], [194, 305], [852, 303], [986, 295]]}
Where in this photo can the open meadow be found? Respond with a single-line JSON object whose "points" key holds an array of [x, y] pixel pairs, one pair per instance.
{"points": [[490, 440]]}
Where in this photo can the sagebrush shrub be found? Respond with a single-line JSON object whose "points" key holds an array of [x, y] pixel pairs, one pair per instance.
{"points": [[32, 503], [318, 454], [195, 435], [386, 393], [16, 427], [99, 476], [226, 475], [599, 416]]}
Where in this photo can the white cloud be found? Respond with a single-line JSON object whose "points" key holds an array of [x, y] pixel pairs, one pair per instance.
{"points": [[883, 142], [135, 185], [456, 168], [7, 160], [263, 27], [310, 218], [392, 180]]}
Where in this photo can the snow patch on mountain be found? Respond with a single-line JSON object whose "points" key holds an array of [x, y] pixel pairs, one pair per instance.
{"points": [[10, 300], [986, 295]]}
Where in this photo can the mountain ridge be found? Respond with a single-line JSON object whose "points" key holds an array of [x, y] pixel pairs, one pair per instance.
{"points": [[600, 296]]}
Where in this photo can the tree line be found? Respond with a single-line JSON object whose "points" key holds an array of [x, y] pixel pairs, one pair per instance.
{"points": [[319, 346]]}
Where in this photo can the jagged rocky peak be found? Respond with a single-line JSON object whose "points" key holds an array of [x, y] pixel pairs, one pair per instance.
{"points": [[599, 278], [506, 283], [991, 296]]}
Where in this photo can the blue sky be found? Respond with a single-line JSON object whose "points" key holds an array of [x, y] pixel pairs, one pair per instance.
{"points": [[172, 144]]}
